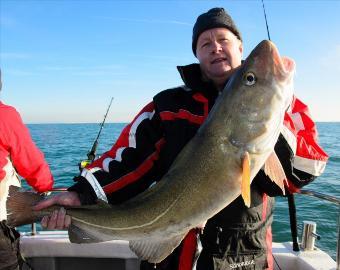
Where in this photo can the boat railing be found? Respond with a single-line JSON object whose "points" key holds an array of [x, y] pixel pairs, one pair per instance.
{"points": [[307, 192], [333, 200], [319, 195]]}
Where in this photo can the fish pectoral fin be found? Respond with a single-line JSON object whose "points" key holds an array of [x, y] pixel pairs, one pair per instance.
{"points": [[155, 250], [245, 185], [274, 170]]}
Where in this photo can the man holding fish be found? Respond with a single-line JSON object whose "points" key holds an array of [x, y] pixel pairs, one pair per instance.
{"points": [[216, 149]]}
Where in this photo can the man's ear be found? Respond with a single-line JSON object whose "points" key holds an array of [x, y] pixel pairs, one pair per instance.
{"points": [[241, 47]]}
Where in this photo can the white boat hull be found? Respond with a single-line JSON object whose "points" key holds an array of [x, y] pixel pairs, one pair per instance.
{"points": [[52, 250]]}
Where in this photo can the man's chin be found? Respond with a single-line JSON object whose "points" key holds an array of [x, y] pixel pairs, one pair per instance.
{"points": [[223, 73], [219, 74], [220, 69]]}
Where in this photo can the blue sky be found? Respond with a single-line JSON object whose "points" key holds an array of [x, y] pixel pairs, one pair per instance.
{"points": [[62, 61]]}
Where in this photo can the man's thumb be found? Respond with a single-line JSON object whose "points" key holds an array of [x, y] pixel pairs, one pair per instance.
{"points": [[44, 204]]}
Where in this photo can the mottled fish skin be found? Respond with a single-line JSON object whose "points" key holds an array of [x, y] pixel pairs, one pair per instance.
{"points": [[206, 175]]}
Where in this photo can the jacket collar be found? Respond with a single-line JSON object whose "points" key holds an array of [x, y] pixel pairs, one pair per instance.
{"points": [[192, 78]]}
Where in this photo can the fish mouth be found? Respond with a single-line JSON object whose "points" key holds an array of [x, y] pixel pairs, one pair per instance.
{"points": [[284, 71], [267, 55], [284, 66], [288, 64]]}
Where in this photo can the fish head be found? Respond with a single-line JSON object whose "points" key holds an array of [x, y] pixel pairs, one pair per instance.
{"points": [[261, 90]]}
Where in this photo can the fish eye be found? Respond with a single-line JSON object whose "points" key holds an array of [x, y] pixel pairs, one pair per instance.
{"points": [[249, 78]]}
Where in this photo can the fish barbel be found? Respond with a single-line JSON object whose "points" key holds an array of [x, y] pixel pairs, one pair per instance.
{"points": [[213, 169]]}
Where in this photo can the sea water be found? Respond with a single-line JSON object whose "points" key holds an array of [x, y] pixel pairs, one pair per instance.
{"points": [[65, 145]]}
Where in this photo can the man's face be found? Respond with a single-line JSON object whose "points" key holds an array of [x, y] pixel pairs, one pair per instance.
{"points": [[219, 51]]}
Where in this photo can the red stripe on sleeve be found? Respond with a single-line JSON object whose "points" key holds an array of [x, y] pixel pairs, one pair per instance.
{"points": [[123, 140], [200, 98], [186, 115], [307, 137], [182, 114], [136, 174]]}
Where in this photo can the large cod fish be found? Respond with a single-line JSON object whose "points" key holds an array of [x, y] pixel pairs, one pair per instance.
{"points": [[213, 169]]}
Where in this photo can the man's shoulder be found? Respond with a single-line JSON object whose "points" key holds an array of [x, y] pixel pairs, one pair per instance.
{"points": [[7, 110], [175, 91], [10, 119], [174, 99]]}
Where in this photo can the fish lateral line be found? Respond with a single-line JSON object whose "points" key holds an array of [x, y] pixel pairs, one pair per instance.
{"points": [[130, 227]]}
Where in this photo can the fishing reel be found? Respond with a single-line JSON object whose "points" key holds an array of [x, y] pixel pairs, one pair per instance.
{"points": [[82, 164], [91, 155]]}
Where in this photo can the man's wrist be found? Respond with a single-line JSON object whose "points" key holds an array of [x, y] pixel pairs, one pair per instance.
{"points": [[84, 190]]}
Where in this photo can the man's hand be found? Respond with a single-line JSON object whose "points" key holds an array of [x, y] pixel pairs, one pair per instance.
{"points": [[58, 219]]}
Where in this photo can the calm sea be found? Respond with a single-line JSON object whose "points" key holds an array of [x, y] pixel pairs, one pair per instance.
{"points": [[64, 145]]}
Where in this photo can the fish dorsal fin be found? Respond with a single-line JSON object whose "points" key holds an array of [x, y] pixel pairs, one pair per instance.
{"points": [[274, 170], [245, 185], [155, 250]]}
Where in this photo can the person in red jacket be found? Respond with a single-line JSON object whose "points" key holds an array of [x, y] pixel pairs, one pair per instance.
{"points": [[18, 155], [236, 237]]}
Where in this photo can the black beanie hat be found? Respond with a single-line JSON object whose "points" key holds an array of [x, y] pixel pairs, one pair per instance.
{"points": [[214, 18]]}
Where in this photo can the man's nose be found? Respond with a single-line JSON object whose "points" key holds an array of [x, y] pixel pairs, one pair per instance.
{"points": [[216, 47]]}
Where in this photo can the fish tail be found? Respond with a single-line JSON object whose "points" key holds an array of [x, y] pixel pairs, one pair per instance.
{"points": [[19, 207]]}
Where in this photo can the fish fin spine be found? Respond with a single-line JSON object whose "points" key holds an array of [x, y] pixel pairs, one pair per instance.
{"points": [[274, 170], [155, 250], [245, 184]]}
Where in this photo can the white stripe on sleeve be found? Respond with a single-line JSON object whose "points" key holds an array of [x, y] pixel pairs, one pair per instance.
{"points": [[106, 161], [298, 122], [119, 153], [95, 185], [132, 133], [290, 138], [311, 166]]}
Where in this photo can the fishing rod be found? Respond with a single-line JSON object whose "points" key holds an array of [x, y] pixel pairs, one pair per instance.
{"points": [[60, 189], [91, 155], [290, 196], [265, 17]]}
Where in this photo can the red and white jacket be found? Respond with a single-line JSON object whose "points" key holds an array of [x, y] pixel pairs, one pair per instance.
{"points": [[301, 134]]}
